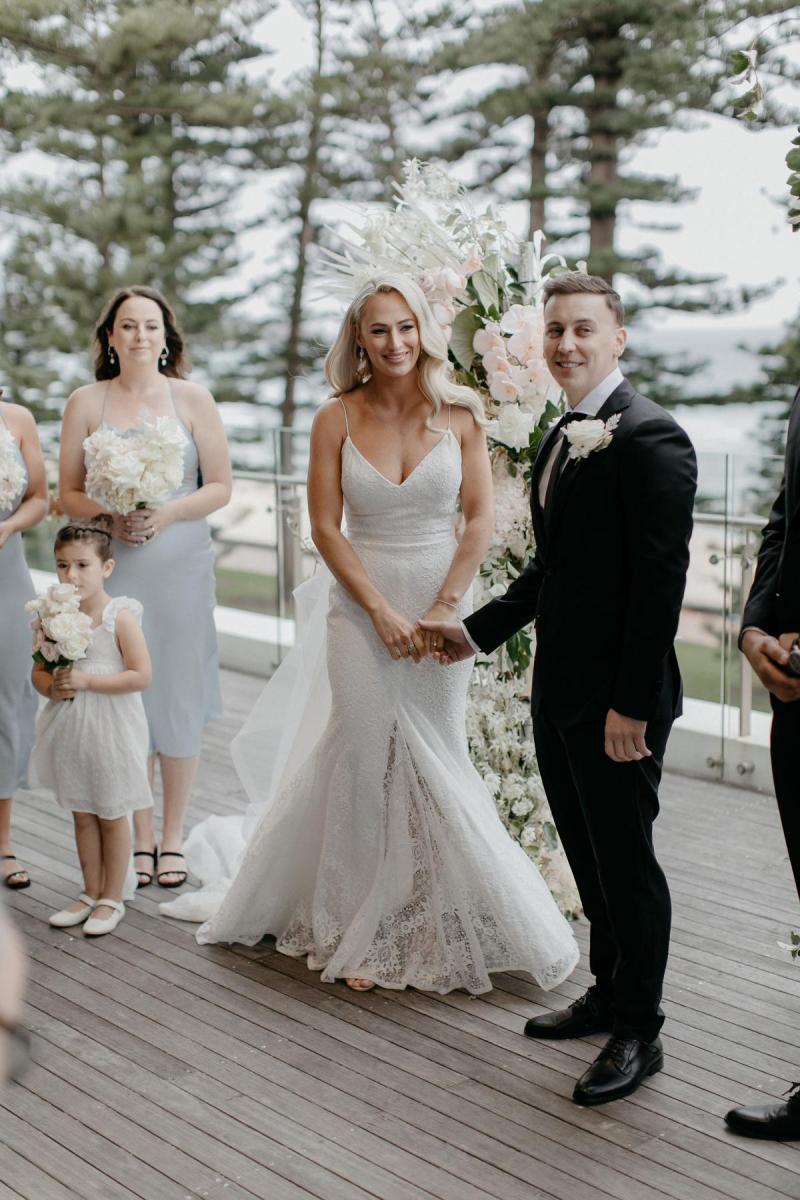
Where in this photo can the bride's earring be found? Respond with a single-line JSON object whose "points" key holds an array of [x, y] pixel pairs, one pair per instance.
{"points": [[163, 357], [362, 366], [112, 358]]}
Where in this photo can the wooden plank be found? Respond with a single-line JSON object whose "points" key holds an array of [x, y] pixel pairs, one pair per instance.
{"points": [[240, 1060]]}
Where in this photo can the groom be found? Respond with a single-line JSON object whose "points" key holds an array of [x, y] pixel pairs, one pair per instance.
{"points": [[612, 514]]}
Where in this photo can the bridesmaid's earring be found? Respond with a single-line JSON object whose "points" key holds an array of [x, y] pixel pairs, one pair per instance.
{"points": [[163, 357], [362, 369]]}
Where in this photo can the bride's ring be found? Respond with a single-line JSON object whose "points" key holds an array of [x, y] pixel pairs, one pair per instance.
{"points": [[410, 647]]}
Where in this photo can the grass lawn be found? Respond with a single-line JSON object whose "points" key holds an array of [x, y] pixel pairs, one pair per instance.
{"points": [[243, 589], [700, 668]]}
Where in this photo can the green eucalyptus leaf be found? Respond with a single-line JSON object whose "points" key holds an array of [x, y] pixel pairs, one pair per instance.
{"points": [[793, 159], [465, 326], [485, 287], [739, 62], [746, 100]]}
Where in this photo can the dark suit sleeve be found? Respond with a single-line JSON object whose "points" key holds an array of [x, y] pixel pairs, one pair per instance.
{"points": [[658, 480], [498, 620], [760, 609]]}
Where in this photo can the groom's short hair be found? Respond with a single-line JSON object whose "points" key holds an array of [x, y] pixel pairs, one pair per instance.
{"points": [[572, 283]]}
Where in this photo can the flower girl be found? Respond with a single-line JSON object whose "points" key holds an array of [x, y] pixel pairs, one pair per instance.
{"points": [[91, 739]]}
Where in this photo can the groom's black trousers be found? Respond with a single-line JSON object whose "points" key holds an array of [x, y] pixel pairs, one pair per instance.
{"points": [[785, 754], [604, 812]]}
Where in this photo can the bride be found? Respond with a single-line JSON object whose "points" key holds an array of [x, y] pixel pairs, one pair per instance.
{"points": [[373, 848]]}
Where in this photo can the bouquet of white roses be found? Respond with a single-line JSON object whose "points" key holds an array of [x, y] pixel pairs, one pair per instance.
{"points": [[61, 632], [136, 470], [12, 475]]}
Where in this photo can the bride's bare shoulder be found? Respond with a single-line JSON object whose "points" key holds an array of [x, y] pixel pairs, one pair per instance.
{"points": [[329, 418]]}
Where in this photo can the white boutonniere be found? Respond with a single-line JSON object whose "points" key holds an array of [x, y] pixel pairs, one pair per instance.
{"points": [[585, 437]]}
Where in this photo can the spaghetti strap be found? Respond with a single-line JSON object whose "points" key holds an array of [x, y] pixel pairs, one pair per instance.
{"points": [[449, 414], [105, 398], [346, 422], [5, 422], [172, 400]]}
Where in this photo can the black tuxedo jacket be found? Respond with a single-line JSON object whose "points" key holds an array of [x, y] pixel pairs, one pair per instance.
{"points": [[606, 582], [774, 601]]}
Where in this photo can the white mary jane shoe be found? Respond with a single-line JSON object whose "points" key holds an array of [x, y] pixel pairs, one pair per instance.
{"points": [[95, 926], [65, 918]]}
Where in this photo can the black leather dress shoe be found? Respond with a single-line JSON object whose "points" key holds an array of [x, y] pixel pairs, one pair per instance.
{"points": [[619, 1068], [781, 1122], [579, 1020]]}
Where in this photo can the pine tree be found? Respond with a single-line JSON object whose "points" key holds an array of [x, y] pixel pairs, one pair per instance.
{"points": [[341, 137], [146, 126], [587, 81]]}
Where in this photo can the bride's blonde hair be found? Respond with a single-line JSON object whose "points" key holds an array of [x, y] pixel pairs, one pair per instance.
{"points": [[435, 375]]}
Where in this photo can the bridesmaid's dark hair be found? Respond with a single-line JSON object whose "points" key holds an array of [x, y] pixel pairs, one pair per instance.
{"points": [[177, 365], [96, 530]]}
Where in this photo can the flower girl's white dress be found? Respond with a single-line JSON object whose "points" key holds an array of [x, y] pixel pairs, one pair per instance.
{"points": [[92, 750], [373, 847]]}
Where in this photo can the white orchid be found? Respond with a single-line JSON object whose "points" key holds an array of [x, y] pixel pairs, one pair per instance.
{"points": [[496, 360], [517, 317], [504, 391]]}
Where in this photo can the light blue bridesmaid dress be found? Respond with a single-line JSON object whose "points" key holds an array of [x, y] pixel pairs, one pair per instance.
{"points": [[18, 700], [173, 577]]}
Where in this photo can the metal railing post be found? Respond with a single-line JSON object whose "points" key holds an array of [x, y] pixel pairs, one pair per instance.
{"points": [[747, 561]]}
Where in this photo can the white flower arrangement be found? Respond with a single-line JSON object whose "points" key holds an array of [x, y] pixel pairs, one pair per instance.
{"points": [[587, 437], [501, 747], [491, 311], [61, 632], [139, 469], [12, 475]]}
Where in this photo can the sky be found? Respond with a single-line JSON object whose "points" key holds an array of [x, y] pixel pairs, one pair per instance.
{"points": [[735, 225], [732, 227]]}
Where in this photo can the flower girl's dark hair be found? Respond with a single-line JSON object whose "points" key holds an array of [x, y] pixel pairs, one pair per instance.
{"points": [[96, 530]]}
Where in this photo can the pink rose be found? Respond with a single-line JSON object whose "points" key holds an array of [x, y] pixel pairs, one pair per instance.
{"points": [[49, 651]]}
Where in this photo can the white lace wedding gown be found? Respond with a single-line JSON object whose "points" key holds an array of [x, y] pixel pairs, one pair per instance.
{"points": [[373, 847]]}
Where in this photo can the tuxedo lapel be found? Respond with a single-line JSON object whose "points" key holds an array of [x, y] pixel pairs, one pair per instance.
{"points": [[619, 400], [542, 455]]}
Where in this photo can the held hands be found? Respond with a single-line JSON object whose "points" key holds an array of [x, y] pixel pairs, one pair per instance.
{"points": [[399, 636], [624, 738], [142, 525], [66, 682], [452, 644], [768, 656]]}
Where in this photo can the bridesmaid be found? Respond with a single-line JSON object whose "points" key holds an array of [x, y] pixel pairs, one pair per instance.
{"points": [[164, 555], [18, 701]]}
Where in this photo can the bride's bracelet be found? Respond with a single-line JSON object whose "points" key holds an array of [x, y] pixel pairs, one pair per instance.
{"points": [[447, 603]]}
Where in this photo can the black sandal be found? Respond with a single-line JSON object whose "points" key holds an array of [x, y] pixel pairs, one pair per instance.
{"points": [[10, 880], [175, 882], [140, 883]]}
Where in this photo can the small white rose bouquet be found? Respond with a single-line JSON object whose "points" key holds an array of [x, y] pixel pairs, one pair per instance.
{"points": [[138, 469], [61, 632], [12, 476]]}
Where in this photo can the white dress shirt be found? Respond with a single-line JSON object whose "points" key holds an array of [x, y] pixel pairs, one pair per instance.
{"points": [[591, 404]]}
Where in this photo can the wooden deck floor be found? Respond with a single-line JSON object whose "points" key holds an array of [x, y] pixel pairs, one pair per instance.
{"points": [[165, 1070]]}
